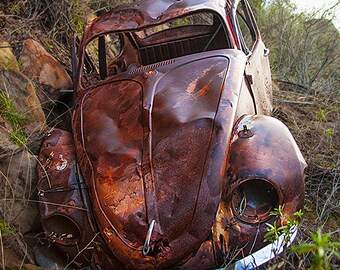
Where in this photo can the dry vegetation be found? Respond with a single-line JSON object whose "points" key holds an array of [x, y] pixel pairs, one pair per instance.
{"points": [[305, 62]]}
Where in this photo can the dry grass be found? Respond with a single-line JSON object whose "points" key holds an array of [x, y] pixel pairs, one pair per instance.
{"points": [[314, 121]]}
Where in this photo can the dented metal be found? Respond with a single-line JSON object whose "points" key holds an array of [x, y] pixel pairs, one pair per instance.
{"points": [[172, 160]]}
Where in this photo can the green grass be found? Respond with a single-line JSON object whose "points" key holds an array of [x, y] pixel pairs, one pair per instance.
{"points": [[14, 118]]}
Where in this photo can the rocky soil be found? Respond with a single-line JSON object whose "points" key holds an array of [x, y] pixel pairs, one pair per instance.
{"points": [[29, 91]]}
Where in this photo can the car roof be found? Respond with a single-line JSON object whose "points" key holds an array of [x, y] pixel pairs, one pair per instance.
{"points": [[147, 13]]}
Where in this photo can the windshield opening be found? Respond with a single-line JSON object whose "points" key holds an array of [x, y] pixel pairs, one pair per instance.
{"points": [[113, 53]]}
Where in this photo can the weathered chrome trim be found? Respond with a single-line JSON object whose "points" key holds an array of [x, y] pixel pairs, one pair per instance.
{"points": [[263, 255], [146, 247]]}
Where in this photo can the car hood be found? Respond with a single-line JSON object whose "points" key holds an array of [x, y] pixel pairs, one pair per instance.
{"points": [[153, 147]]}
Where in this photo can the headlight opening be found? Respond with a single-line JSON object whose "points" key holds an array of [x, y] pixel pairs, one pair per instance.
{"points": [[254, 199]]}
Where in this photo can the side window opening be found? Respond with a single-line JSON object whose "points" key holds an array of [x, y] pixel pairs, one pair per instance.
{"points": [[102, 58], [247, 33]]}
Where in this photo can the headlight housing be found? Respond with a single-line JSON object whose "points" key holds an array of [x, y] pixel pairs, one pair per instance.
{"points": [[254, 199], [61, 229]]}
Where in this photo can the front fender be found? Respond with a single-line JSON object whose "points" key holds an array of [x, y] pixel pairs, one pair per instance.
{"points": [[263, 147], [65, 211], [265, 169]]}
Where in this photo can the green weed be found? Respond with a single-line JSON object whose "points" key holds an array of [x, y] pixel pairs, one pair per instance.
{"points": [[274, 231], [322, 248], [321, 115], [5, 229], [329, 132], [6, 65], [48, 45], [329, 135], [14, 118]]}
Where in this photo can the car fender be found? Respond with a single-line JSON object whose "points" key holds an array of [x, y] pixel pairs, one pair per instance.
{"points": [[65, 212], [264, 158]]}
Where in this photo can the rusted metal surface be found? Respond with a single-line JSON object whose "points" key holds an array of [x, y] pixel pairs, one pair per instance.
{"points": [[64, 216], [65, 211], [170, 164], [263, 170], [166, 151]]}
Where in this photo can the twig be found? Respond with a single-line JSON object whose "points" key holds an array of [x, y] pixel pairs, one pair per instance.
{"points": [[2, 252], [295, 93], [23, 247], [294, 101], [302, 85], [50, 203], [89, 243]]}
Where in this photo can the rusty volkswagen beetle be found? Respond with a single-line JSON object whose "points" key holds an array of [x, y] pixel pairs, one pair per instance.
{"points": [[173, 160]]}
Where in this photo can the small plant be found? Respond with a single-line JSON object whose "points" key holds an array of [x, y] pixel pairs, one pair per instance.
{"points": [[322, 248], [321, 115], [48, 45], [274, 231], [5, 229], [8, 111], [329, 132]]}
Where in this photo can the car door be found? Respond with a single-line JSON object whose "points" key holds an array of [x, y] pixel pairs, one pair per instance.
{"points": [[257, 71]]}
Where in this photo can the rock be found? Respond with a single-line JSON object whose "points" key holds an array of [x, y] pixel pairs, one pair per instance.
{"points": [[44, 69], [7, 58], [18, 182], [21, 91], [16, 251], [17, 165], [49, 257]]}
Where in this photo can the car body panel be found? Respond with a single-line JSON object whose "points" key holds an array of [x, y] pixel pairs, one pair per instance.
{"points": [[167, 156]]}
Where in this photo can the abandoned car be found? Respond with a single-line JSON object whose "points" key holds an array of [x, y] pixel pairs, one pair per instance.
{"points": [[173, 160]]}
